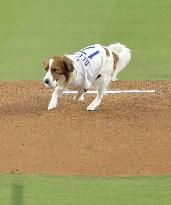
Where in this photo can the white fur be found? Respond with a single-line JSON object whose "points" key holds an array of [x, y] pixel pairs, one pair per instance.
{"points": [[106, 71], [124, 54], [49, 75], [54, 100]]}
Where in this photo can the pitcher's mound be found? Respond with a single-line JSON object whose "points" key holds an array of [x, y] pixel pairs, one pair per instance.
{"points": [[129, 134]]}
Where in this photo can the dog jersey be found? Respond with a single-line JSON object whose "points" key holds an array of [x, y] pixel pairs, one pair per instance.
{"points": [[89, 62]]}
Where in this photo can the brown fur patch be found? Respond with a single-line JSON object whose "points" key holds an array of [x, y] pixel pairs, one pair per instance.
{"points": [[46, 64], [69, 63], [107, 51], [116, 59]]}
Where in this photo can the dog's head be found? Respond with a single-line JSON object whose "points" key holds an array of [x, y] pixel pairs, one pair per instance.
{"points": [[58, 69]]}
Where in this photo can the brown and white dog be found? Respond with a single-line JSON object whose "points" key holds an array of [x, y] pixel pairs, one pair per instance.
{"points": [[91, 67]]}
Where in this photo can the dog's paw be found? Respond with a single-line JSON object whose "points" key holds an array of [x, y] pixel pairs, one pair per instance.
{"points": [[75, 98], [81, 98], [91, 107], [52, 106]]}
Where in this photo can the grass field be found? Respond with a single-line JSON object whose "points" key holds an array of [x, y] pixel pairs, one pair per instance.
{"points": [[33, 30], [47, 189]]}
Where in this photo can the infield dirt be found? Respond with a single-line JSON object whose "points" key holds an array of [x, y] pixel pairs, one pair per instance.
{"points": [[129, 134]]}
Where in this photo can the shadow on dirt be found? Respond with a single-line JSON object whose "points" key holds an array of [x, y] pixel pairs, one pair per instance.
{"points": [[35, 106]]}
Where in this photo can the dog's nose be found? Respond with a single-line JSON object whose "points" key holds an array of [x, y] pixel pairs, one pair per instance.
{"points": [[46, 81]]}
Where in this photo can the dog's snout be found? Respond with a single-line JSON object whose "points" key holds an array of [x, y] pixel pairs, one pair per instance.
{"points": [[47, 81]]}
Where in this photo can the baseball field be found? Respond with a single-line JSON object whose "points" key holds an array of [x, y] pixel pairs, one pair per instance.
{"points": [[121, 153]]}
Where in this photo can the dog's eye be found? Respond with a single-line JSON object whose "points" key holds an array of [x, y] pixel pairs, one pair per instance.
{"points": [[46, 68], [54, 69]]}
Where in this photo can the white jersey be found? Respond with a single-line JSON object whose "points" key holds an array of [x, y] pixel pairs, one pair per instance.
{"points": [[88, 63]]}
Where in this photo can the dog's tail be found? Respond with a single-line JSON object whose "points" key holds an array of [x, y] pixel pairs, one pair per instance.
{"points": [[124, 55]]}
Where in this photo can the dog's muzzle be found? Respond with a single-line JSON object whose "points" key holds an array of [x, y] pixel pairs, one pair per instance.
{"points": [[47, 81], [50, 84]]}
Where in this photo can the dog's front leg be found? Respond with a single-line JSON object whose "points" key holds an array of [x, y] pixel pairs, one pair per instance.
{"points": [[54, 100]]}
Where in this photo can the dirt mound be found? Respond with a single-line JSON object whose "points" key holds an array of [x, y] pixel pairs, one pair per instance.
{"points": [[129, 134]]}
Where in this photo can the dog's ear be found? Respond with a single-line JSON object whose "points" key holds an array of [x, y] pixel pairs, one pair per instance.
{"points": [[69, 63], [46, 63]]}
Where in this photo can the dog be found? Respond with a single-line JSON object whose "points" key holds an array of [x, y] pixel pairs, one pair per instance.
{"points": [[91, 67]]}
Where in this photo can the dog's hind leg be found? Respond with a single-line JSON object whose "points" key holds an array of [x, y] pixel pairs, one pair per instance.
{"points": [[102, 85], [79, 96]]}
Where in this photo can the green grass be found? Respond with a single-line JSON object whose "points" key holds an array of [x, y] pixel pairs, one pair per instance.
{"points": [[52, 190], [33, 30]]}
